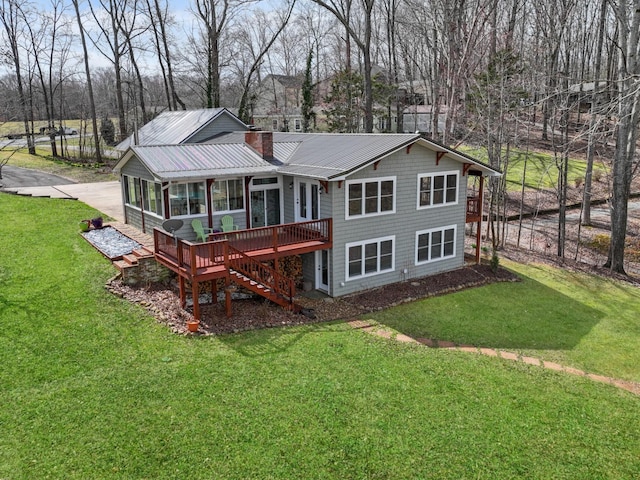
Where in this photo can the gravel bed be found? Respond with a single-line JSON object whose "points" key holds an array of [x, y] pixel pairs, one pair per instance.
{"points": [[111, 242]]}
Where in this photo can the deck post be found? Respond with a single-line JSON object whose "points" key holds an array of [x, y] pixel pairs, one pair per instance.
{"points": [[195, 293], [214, 291], [183, 296], [479, 227], [227, 298]]}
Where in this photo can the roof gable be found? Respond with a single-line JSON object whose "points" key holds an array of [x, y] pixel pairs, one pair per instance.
{"points": [[177, 127]]}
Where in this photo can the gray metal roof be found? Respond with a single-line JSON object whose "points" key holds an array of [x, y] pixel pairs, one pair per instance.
{"points": [[172, 128], [197, 161], [327, 156]]}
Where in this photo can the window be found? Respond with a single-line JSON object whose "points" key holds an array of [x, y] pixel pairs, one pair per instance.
{"points": [[370, 197], [435, 244], [434, 190], [152, 197], [132, 191], [370, 257], [187, 199], [297, 124], [228, 195], [274, 125]]}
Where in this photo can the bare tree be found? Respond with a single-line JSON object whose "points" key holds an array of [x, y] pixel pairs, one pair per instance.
{"points": [[264, 39], [11, 16], [627, 14], [87, 69]]}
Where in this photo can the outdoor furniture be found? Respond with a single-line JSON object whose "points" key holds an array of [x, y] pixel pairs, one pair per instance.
{"points": [[227, 224], [201, 232]]}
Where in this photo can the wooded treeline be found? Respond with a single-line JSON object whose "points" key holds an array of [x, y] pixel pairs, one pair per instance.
{"points": [[488, 69]]}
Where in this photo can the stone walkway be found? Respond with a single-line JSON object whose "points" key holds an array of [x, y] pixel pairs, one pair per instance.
{"points": [[383, 331]]}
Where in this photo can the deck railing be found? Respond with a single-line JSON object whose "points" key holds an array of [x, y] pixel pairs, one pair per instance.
{"points": [[277, 236], [259, 272], [473, 208], [193, 257]]}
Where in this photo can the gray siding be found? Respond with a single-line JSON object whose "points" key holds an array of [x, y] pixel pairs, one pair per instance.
{"points": [[135, 168], [225, 123], [288, 195], [404, 224]]}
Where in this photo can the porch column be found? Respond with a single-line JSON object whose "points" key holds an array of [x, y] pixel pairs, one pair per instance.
{"points": [[195, 293], [479, 227]]}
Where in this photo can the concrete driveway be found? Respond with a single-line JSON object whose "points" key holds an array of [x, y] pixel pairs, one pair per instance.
{"points": [[105, 197]]}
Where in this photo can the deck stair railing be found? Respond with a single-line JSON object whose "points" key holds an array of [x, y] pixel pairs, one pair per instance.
{"points": [[261, 279]]}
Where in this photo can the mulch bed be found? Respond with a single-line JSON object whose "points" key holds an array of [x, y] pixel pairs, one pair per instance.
{"points": [[254, 313]]}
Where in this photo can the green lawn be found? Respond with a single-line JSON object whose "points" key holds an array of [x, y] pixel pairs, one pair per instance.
{"points": [[542, 171], [92, 387]]}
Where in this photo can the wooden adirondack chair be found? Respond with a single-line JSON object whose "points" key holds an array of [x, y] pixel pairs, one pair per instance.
{"points": [[227, 225], [201, 232]]}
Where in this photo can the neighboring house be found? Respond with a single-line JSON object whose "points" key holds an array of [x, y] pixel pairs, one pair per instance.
{"points": [[419, 118], [362, 210], [277, 104]]}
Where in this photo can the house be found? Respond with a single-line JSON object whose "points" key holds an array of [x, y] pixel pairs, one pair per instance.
{"points": [[361, 210], [277, 104]]}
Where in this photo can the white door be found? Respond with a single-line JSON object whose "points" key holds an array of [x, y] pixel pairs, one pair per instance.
{"points": [[307, 199], [322, 270]]}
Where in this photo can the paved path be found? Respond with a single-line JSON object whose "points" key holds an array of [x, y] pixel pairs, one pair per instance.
{"points": [[374, 328], [105, 197]]}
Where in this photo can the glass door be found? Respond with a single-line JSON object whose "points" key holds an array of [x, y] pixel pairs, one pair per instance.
{"points": [[322, 270], [307, 200], [265, 207]]}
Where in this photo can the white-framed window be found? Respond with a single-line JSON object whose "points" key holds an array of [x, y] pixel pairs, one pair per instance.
{"points": [[152, 197], [274, 125], [437, 189], [376, 196], [228, 195], [297, 124], [132, 195], [435, 244], [187, 199], [370, 257]]}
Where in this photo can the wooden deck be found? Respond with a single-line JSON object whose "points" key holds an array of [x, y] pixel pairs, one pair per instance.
{"points": [[219, 256]]}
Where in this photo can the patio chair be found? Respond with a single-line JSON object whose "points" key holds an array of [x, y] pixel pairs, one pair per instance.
{"points": [[227, 225], [201, 232]]}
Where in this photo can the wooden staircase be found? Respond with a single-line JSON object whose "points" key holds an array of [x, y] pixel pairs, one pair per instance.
{"points": [[139, 267], [262, 279]]}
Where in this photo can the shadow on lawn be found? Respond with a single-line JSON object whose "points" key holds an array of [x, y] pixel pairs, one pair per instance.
{"points": [[268, 341], [523, 315]]}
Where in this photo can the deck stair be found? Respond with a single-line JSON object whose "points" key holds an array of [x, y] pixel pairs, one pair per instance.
{"points": [[140, 266], [261, 279]]}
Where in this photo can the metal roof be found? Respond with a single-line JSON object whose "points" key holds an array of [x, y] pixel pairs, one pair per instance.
{"points": [[195, 161], [332, 156], [172, 128], [327, 156]]}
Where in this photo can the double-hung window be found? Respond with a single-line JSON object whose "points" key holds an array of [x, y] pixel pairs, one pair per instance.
{"points": [[435, 190], [228, 195], [435, 244], [152, 195], [132, 191], [187, 199], [370, 257], [371, 197]]}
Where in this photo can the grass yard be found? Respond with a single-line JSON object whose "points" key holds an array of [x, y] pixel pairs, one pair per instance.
{"points": [[541, 172], [571, 318], [92, 387]]}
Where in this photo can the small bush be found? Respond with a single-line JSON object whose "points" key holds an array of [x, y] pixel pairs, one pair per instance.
{"points": [[578, 181], [597, 175], [600, 242]]}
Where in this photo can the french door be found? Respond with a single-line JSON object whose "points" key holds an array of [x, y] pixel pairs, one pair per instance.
{"points": [[307, 198], [265, 208]]}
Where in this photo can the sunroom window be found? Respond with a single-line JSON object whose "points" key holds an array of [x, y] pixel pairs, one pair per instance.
{"points": [[187, 199]]}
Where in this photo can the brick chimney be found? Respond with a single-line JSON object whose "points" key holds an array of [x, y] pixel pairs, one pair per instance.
{"points": [[260, 141]]}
